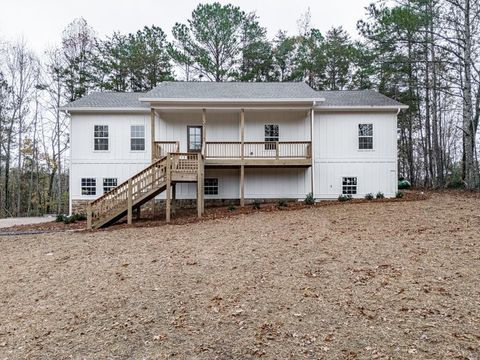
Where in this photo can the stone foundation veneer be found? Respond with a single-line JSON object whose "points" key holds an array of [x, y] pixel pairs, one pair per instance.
{"points": [[80, 206]]}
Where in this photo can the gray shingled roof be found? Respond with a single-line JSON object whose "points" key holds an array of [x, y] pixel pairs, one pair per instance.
{"points": [[109, 100], [232, 90], [356, 98]]}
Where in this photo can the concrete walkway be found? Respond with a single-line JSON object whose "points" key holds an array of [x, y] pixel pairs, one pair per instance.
{"points": [[4, 223]]}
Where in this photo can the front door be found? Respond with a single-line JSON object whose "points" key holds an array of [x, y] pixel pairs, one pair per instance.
{"points": [[194, 138]]}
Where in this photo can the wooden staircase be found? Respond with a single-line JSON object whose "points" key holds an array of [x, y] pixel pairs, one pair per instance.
{"points": [[144, 186]]}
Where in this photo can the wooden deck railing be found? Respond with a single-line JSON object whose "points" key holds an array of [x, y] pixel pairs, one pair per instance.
{"points": [[184, 162], [258, 149], [162, 148]]}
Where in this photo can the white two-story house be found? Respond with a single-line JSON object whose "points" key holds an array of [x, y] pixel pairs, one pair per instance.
{"points": [[228, 142]]}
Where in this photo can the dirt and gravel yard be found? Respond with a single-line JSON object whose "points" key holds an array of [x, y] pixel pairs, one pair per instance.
{"points": [[373, 280]]}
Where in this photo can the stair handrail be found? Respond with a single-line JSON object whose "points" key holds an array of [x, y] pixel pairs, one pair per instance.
{"points": [[118, 196]]}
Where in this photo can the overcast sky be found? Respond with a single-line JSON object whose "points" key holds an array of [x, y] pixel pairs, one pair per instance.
{"points": [[41, 22]]}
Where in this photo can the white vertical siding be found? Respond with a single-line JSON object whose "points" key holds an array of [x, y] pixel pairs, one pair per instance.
{"points": [[337, 154], [172, 126], [82, 149], [225, 126], [118, 162], [292, 183], [263, 183], [292, 125]]}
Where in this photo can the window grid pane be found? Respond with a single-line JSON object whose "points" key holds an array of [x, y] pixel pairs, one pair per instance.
{"points": [[349, 185], [137, 144], [365, 143], [109, 184], [89, 186], [137, 131], [210, 186]]}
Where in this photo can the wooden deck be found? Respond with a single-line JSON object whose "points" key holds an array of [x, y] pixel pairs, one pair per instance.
{"points": [[169, 166], [258, 153]]}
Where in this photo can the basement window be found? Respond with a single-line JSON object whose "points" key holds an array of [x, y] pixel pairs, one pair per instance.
{"points": [[109, 184], [137, 138], [349, 185], [100, 137], [89, 186], [365, 136], [210, 186], [271, 136]]}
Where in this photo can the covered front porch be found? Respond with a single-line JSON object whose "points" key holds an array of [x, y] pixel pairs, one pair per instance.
{"points": [[267, 136], [236, 137]]}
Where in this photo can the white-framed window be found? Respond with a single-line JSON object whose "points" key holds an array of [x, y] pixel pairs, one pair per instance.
{"points": [[271, 134], [210, 186], [365, 136], [349, 185], [109, 184], [89, 186], [137, 138], [100, 137]]}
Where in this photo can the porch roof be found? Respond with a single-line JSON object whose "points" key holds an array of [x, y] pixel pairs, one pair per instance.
{"points": [[182, 91]]}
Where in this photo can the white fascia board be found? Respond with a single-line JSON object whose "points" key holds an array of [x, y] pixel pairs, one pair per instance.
{"points": [[104, 109], [230, 100], [361, 108]]}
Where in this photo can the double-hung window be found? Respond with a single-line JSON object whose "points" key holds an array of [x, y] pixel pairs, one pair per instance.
{"points": [[210, 186], [137, 138], [89, 186], [109, 184], [365, 136], [100, 137], [271, 136]]}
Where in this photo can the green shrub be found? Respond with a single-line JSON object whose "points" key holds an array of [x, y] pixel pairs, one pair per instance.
{"points": [[256, 204], [344, 197], [60, 218], [80, 217], [309, 199], [231, 207], [369, 196], [399, 195], [69, 219], [404, 184], [282, 203], [455, 184], [380, 195]]}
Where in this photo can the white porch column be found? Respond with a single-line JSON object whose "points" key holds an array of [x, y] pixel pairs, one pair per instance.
{"points": [[312, 168], [242, 148]]}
